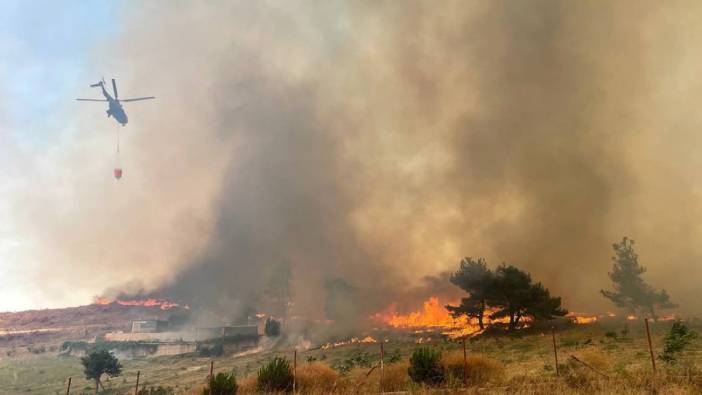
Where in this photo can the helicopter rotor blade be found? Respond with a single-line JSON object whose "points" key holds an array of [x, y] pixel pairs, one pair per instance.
{"points": [[114, 88], [138, 98], [91, 99]]}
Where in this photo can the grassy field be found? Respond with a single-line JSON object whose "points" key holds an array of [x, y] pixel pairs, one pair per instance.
{"points": [[526, 358]]}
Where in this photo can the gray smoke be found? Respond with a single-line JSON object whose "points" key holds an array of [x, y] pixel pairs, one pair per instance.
{"points": [[380, 142]]}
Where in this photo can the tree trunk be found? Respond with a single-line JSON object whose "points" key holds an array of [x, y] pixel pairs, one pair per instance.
{"points": [[97, 383], [516, 320], [480, 315], [511, 320]]}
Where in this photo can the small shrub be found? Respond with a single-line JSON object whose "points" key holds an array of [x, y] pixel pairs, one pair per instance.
{"points": [[676, 340], [276, 375], [221, 384], [272, 327], [480, 369], [425, 366], [611, 334], [395, 356]]}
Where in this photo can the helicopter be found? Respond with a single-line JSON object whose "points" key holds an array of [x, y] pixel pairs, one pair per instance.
{"points": [[115, 104]]}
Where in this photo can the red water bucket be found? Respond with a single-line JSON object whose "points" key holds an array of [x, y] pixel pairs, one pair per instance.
{"points": [[118, 173]]}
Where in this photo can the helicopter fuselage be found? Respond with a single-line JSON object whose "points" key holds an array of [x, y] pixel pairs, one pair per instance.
{"points": [[115, 108]]}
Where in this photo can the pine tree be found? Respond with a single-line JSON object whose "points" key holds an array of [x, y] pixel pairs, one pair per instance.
{"points": [[476, 279], [630, 290], [99, 362]]}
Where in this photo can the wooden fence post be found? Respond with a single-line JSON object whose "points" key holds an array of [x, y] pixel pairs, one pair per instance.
{"points": [[555, 351], [465, 363], [68, 389], [650, 346], [136, 389], [382, 371], [294, 370]]}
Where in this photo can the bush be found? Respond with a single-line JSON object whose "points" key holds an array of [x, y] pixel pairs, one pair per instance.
{"points": [[480, 368], [676, 340], [317, 378], [425, 366], [276, 375], [222, 384], [272, 327]]}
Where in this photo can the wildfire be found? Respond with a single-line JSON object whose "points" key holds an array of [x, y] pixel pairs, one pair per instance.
{"points": [[434, 315], [161, 303], [353, 340], [581, 319]]}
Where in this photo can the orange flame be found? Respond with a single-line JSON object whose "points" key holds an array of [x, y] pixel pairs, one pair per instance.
{"points": [[435, 315], [162, 303], [353, 340], [581, 318]]}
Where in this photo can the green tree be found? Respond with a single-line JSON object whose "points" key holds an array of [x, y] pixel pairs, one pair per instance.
{"points": [[516, 297], [99, 362], [542, 306], [676, 340], [630, 290], [476, 279]]}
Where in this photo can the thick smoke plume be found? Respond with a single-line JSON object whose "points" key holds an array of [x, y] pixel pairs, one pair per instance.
{"points": [[380, 142]]}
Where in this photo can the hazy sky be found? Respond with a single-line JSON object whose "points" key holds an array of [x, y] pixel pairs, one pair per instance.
{"points": [[47, 54]]}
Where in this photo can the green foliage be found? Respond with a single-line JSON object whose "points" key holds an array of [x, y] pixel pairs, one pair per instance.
{"points": [[217, 350], [272, 327], [425, 366], [508, 289], [99, 362], [358, 358], [476, 279], [222, 384], [395, 356], [156, 391], [630, 290], [676, 340], [276, 375], [517, 297]]}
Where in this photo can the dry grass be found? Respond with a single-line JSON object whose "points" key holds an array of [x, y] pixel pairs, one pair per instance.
{"points": [[317, 377], [481, 369], [247, 385]]}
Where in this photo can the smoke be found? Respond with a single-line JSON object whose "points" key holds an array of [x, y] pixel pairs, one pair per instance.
{"points": [[379, 143]]}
